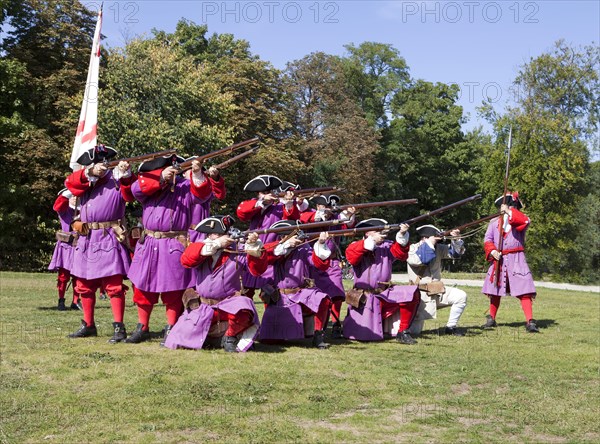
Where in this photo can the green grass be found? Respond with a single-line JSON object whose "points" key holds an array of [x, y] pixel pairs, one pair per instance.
{"points": [[499, 386]]}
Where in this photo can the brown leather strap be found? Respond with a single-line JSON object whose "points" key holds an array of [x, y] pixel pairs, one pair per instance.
{"points": [[102, 225], [165, 234]]}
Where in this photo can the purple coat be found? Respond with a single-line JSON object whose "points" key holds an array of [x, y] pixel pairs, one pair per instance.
{"points": [[199, 212], [156, 267], [365, 324], [514, 268], [63, 252], [330, 281], [100, 254], [223, 282], [272, 214], [283, 320]]}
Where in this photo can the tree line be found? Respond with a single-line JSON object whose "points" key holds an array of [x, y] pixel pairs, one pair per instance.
{"points": [[359, 121]]}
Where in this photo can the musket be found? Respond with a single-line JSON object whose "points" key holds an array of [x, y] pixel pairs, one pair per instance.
{"points": [[183, 166], [389, 227], [470, 224], [114, 163], [385, 203], [234, 159], [303, 227], [501, 225], [309, 192]]}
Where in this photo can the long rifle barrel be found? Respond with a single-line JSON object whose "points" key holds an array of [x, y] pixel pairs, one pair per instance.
{"points": [[234, 159], [114, 163], [188, 163], [386, 203], [471, 224], [388, 227], [309, 192]]}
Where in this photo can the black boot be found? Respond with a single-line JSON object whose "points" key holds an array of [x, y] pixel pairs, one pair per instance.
{"points": [[61, 305], [319, 340], [230, 344], [490, 322], [454, 331], [75, 306], [139, 335], [336, 331], [404, 337], [120, 333], [166, 332], [84, 331], [531, 327]]}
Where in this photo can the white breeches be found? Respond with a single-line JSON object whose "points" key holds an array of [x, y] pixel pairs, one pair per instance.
{"points": [[454, 298]]}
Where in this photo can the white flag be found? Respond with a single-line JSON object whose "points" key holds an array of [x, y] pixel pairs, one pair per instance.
{"points": [[87, 129]]}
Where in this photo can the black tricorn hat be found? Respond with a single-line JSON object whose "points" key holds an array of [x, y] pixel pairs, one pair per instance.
{"points": [[512, 200], [428, 230], [287, 186], [291, 224], [330, 201], [96, 154], [263, 183], [160, 162], [373, 222], [215, 225]]}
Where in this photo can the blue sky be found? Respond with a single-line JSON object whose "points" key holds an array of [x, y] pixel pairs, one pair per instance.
{"points": [[477, 44]]}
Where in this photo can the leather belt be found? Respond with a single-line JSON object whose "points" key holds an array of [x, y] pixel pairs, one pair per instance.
{"points": [[290, 290], [209, 301], [165, 234], [102, 225]]}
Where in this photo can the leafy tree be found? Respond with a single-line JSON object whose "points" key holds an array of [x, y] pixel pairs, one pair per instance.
{"points": [[375, 73], [42, 67], [336, 142]]}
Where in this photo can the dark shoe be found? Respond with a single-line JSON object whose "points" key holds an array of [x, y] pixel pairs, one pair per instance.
{"points": [[139, 335], [454, 331], [319, 340], [490, 322], [230, 344], [103, 296], [75, 306], [336, 331], [61, 305], [166, 332], [120, 333], [404, 337], [531, 327], [84, 331]]}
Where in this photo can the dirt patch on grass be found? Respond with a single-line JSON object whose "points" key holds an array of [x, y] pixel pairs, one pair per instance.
{"points": [[461, 389]]}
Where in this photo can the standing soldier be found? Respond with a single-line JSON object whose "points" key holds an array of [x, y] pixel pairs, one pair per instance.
{"points": [[425, 269], [100, 259], [62, 258], [223, 311], [515, 277], [372, 259], [166, 199], [330, 280]]}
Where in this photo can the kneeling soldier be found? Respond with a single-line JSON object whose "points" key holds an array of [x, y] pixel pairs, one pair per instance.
{"points": [[216, 307]]}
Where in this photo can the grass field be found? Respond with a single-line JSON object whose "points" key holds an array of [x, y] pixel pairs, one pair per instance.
{"points": [[490, 386]]}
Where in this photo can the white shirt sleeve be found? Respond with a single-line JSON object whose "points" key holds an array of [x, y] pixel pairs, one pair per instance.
{"points": [[322, 251], [369, 244], [402, 239]]}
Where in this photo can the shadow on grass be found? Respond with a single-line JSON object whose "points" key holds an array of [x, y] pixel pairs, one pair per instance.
{"points": [[541, 323]]}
